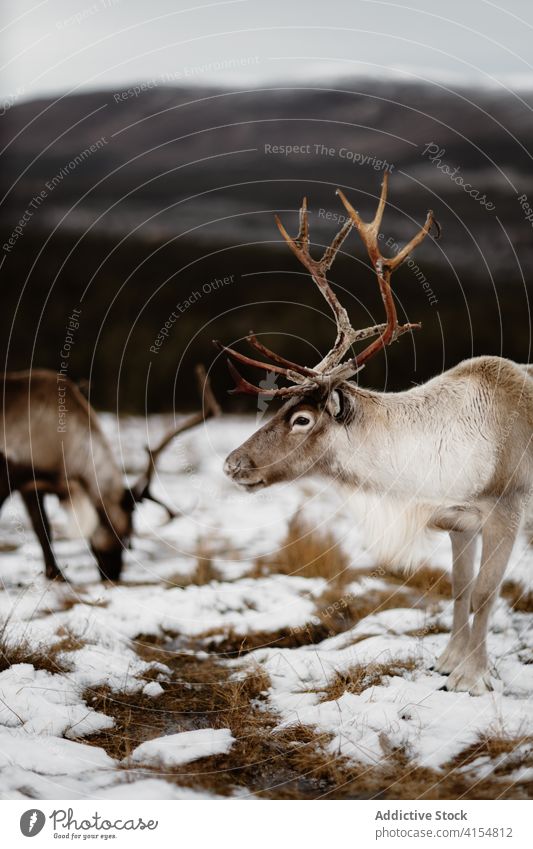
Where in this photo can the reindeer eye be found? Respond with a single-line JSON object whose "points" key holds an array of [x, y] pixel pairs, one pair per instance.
{"points": [[302, 421]]}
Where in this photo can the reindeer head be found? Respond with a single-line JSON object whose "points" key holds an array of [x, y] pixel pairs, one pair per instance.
{"points": [[301, 437], [298, 440], [112, 534]]}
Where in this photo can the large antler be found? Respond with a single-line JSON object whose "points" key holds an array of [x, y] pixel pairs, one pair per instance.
{"points": [[346, 334], [331, 370], [141, 489], [384, 267]]}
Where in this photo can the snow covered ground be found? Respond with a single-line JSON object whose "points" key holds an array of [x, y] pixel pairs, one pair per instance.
{"points": [[90, 628]]}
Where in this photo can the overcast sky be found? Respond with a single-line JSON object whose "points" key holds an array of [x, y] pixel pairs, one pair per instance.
{"points": [[55, 46]]}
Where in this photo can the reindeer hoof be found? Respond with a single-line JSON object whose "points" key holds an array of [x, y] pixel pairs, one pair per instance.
{"points": [[450, 659], [435, 668], [469, 679], [56, 576]]}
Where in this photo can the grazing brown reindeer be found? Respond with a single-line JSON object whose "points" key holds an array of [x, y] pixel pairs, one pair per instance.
{"points": [[74, 462], [454, 454]]}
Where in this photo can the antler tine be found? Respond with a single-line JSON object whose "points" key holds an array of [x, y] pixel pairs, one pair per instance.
{"points": [[397, 260], [349, 368], [346, 335], [378, 217], [244, 387], [255, 343], [303, 232], [383, 266], [300, 245], [153, 453], [211, 409], [331, 252], [211, 404], [249, 361], [369, 231], [368, 228]]}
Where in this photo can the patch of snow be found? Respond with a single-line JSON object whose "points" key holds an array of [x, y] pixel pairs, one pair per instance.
{"points": [[153, 689], [40, 702], [182, 748], [47, 755], [266, 604], [409, 710]]}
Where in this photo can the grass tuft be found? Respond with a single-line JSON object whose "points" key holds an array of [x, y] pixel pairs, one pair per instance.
{"points": [[430, 582], [519, 597], [363, 676], [306, 553], [41, 657], [204, 572], [499, 747]]}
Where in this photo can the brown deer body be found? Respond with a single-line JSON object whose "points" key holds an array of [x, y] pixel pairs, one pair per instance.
{"points": [[70, 457], [454, 454]]}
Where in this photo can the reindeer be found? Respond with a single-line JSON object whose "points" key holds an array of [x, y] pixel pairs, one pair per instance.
{"points": [[75, 463], [453, 454]]}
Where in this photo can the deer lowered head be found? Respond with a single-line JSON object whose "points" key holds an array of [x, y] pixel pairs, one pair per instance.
{"points": [[304, 436]]}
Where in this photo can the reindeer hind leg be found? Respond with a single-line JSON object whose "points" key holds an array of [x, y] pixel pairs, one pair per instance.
{"points": [[499, 534]]}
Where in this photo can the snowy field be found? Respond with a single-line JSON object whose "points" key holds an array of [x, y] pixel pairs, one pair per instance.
{"points": [[247, 653]]}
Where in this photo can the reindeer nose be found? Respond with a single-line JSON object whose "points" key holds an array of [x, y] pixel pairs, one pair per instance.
{"points": [[237, 464]]}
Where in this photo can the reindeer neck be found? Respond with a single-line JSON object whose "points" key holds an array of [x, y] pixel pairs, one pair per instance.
{"points": [[392, 443]]}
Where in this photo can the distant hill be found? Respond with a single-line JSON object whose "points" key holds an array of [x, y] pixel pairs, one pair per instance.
{"points": [[175, 157], [180, 185]]}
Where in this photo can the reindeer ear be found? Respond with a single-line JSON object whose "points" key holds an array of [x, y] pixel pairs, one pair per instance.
{"points": [[334, 404]]}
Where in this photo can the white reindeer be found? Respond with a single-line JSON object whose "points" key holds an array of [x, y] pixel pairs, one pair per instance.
{"points": [[454, 454]]}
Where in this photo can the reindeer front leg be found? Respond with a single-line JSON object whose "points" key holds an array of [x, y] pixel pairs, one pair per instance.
{"points": [[463, 550], [499, 534], [34, 501]]}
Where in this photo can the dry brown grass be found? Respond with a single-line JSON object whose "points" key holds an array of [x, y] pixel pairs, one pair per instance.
{"points": [[338, 610], [69, 600], [42, 657], [291, 763], [201, 694], [505, 753], [361, 677], [68, 642], [426, 630], [231, 644], [400, 779], [307, 553], [519, 597], [204, 572], [428, 581]]}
